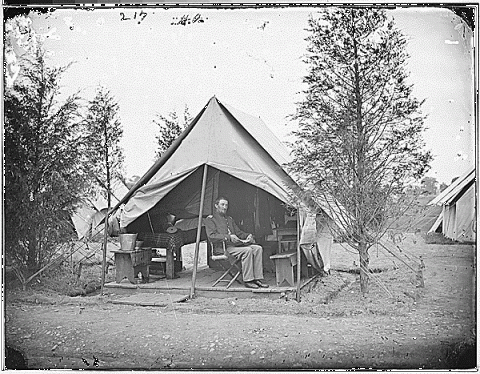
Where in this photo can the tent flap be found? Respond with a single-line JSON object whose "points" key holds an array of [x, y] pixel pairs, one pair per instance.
{"points": [[147, 196]]}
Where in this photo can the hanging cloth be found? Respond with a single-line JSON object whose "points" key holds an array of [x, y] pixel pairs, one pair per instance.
{"points": [[315, 240]]}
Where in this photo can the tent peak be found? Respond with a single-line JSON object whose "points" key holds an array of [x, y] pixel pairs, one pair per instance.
{"points": [[213, 100]]}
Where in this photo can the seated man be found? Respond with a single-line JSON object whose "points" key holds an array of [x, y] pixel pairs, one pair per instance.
{"points": [[221, 228]]}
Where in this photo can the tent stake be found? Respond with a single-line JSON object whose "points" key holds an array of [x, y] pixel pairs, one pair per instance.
{"points": [[199, 228], [299, 265]]}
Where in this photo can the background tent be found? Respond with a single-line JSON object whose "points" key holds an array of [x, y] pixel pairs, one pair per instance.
{"points": [[458, 216], [244, 161], [92, 210]]}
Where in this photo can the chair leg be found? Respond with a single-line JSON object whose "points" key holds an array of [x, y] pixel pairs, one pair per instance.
{"points": [[239, 271], [221, 278], [234, 271], [233, 279]]}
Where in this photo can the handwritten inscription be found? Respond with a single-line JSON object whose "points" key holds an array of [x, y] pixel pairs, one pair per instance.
{"points": [[136, 16], [187, 20]]}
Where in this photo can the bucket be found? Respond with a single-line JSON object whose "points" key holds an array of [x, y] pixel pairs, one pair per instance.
{"points": [[127, 241]]}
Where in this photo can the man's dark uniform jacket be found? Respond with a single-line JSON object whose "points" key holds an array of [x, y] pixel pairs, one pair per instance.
{"points": [[219, 228]]}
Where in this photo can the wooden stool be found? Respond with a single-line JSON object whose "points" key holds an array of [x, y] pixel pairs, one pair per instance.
{"points": [[284, 267], [130, 263]]}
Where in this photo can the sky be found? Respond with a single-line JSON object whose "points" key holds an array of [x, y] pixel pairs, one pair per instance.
{"points": [[252, 60]]}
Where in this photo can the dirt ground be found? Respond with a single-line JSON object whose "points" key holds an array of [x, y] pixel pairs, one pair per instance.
{"points": [[396, 326]]}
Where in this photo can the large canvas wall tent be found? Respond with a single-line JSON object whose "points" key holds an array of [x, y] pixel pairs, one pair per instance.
{"points": [[241, 159], [457, 220], [223, 152]]}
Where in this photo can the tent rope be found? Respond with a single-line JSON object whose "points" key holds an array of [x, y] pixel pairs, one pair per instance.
{"points": [[150, 222], [389, 251], [370, 274], [376, 279]]}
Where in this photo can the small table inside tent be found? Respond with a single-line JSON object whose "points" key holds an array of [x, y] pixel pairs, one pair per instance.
{"points": [[172, 243]]}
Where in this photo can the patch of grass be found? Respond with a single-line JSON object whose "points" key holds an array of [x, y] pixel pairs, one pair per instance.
{"points": [[64, 281], [357, 270], [438, 238], [388, 295]]}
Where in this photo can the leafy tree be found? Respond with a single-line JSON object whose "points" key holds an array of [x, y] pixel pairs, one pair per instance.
{"points": [[170, 129], [359, 141], [103, 156], [429, 185], [43, 178]]}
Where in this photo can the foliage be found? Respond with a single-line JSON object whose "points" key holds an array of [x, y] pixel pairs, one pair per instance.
{"points": [[103, 156], [43, 177], [170, 128], [429, 185], [359, 142]]}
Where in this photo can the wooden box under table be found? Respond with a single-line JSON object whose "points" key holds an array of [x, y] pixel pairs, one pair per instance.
{"points": [[129, 263]]}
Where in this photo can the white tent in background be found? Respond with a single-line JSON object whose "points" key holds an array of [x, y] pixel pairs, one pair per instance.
{"points": [[458, 217], [93, 210]]}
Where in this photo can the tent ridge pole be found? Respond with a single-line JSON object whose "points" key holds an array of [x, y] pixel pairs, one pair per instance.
{"points": [[199, 228]]}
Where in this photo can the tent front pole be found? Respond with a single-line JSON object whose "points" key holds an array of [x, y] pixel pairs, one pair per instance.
{"points": [[299, 265], [199, 228]]}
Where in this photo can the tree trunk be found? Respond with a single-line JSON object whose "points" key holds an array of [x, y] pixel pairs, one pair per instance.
{"points": [[79, 271], [364, 271], [32, 252], [359, 168]]}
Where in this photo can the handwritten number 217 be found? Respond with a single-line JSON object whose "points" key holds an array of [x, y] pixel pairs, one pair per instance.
{"points": [[142, 15]]}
